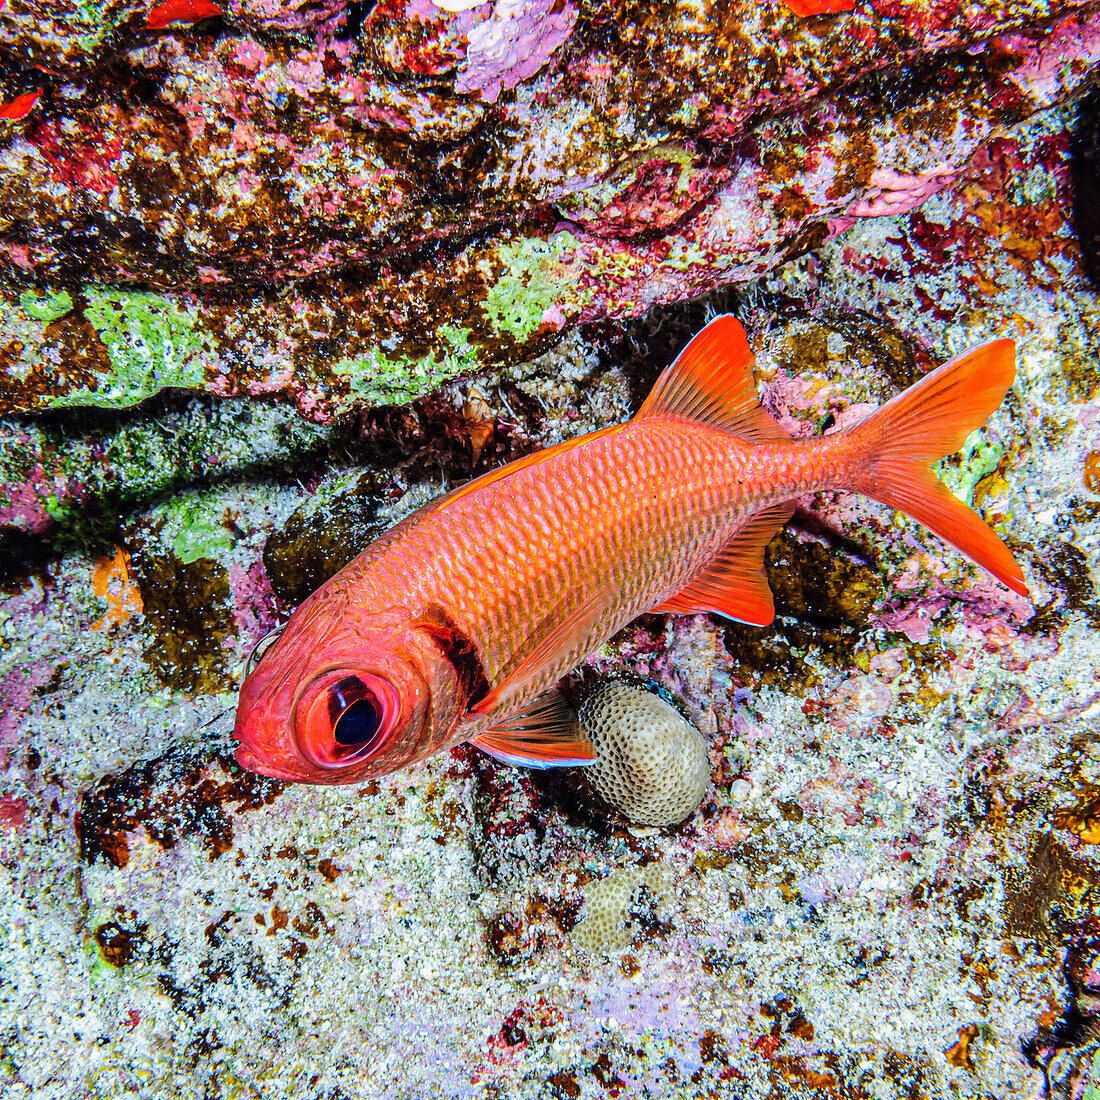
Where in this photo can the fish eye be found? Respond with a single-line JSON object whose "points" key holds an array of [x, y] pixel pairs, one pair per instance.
{"points": [[345, 717], [354, 712]]}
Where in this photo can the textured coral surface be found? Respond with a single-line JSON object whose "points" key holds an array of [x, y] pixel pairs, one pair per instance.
{"points": [[892, 887]]}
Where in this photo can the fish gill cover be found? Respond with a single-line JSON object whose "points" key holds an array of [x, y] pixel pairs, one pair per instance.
{"points": [[892, 884]]}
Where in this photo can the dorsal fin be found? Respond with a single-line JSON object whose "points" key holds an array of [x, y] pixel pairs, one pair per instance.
{"points": [[711, 382], [734, 584]]}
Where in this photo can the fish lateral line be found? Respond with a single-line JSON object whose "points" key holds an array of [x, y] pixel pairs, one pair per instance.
{"points": [[501, 473]]}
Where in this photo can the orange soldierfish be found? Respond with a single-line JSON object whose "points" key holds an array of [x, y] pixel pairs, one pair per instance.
{"points": [[455, 625]]}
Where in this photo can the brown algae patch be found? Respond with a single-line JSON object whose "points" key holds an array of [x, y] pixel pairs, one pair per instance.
{"points": [[823, 602], [176, 796], [188, 608]]}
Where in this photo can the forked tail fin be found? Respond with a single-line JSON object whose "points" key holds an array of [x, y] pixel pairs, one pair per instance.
{"points": [[929, 420]]}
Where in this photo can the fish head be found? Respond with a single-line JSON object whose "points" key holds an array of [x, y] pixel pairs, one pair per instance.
{"points": [[343, 697]]}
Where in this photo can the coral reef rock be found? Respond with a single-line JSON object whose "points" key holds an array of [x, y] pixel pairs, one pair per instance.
{"points": [[343, 204], [651, 762], [892, 889]]}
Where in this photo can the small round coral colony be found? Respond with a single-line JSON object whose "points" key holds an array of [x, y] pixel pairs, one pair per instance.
{"points": [[651, 762]]}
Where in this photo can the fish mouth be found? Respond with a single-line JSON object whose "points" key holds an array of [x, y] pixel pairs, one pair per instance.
{"points": [[253, 761]]}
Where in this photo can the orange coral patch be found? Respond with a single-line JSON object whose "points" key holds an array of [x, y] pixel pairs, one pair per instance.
{"points": [[1091, 475], [112, 583], [959, 1054], [21, 106]]}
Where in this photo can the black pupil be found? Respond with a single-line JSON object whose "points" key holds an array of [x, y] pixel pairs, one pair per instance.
{"points": [[357, 724], [358, 717]]}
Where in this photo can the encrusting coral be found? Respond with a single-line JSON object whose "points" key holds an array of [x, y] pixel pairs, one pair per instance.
{"points": [[651, 762], [340, 205], [610, 916]]}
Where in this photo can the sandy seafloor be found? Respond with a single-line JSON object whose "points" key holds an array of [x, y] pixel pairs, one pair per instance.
{"points": [[876, 900]]}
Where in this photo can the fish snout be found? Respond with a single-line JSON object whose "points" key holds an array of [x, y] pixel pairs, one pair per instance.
{"points": [[262, 741]]}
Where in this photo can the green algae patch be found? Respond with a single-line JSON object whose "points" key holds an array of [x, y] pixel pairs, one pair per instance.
{"points": [[375, 379], [123, 467], [151, 343], [961, 472], [194, 529], [47, 305], [534, 278]]}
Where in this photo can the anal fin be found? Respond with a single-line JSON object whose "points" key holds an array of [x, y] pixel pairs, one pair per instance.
{"points": [[734, 584], [545, 735]]}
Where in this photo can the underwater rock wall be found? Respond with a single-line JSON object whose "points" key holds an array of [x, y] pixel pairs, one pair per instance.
{"points": [[344, 203], [892, 887]]}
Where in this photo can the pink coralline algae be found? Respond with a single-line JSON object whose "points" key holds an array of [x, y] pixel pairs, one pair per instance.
{"points": [[282, 16], [30, 499], [1056, 63], [18, 689], [897, 194], [343, 205], [13, 812], [511, 43], [86, 163], [493, 44], [255, 609], [988, 611]]}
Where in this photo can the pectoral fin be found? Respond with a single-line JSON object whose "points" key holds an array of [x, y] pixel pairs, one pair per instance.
{"points": [[545, 735], [557, 639]]}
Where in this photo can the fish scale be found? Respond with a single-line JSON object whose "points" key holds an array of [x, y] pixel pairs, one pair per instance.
{"points": [[629, 550], [453, 625]]}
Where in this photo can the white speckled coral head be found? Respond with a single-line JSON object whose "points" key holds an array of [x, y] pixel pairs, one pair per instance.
{"points": [[651, 762]]}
